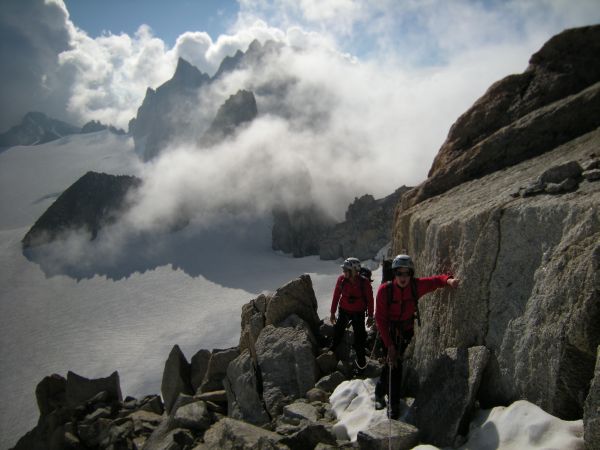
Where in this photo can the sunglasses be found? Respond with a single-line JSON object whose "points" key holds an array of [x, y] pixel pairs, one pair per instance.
{"points": [[402, 273]]}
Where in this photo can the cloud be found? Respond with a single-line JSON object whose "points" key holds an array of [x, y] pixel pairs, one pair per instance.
{"points": [[32, 33]]}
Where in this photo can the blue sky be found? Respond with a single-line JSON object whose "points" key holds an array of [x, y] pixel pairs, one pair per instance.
{"points": [[168, 19]]}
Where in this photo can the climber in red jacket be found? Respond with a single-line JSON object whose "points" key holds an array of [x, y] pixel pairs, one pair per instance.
{"points": [[396, 309], [354, 296]]}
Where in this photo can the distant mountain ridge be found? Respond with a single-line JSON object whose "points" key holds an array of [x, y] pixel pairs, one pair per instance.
{"points": [[176, 110], [37, 128]]}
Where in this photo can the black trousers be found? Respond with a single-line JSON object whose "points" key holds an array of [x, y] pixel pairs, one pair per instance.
{"points": [[360, 334], [381, 388]]}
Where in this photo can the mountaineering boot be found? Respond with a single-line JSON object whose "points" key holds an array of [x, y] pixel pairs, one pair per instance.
{"points": [[379, 402]]}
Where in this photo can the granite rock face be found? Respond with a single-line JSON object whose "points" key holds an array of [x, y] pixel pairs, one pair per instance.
{"points": [[530, 281], [176, 378], [591, 413], [523, 115]]}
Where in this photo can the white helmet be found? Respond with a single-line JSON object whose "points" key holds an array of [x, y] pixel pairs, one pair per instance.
{"points": [[351, 263], [404, 261]]}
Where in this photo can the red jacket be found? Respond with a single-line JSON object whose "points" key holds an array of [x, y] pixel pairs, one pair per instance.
{"points": [[351, 295], [402, 308]]}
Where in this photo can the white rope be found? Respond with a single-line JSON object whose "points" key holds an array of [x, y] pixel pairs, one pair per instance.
{"points": [[389, 406]]}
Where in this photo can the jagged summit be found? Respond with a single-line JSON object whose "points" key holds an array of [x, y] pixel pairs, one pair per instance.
{"points": [[188, 75], [173, 110]]}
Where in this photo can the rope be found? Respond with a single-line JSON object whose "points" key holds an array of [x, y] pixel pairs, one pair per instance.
{"points": [[389, 405]]}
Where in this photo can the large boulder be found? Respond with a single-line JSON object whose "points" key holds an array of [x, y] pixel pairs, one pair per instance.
{"points": [[243, 387], [176, 378], [217, 369], [287, 363], [50, 394], [296, 297], [231, 434], [523, 115], [591, 414], [530, 289], [446, 398], [198, 368], [79, 390], [403, 436]]}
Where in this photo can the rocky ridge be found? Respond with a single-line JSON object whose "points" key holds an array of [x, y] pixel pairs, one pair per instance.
{"points": [[522, 116], [511, 208]]}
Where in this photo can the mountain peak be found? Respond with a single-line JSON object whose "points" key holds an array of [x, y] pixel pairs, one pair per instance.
{"points": [[188, 75]]}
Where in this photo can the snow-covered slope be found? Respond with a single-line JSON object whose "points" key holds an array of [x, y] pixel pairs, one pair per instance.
{"points": [[522, 425], [190, 295]]}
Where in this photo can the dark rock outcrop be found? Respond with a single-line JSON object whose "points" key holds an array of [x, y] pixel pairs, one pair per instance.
{"points": [[94, 126], [176, 378], [523, 115], [366, 229], [311, 231], [93, 201], [238, 109], [298, 231], [36, 128], [79, 389]]}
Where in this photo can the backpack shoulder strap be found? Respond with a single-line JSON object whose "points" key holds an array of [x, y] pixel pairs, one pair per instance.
{"points": [[415, 296], [390, 292]]}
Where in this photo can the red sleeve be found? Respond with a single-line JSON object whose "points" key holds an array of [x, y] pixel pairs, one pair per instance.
{"points": [[430, 284], [381, 315], [337, 292]]}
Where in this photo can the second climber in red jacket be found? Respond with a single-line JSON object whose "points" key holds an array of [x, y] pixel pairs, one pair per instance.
{"points": [[396, 306], [353, 295]]}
